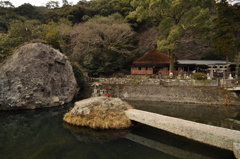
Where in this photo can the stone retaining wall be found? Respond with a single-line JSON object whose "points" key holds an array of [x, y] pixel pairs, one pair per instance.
{"points": [[146, 80], [186, 94]]}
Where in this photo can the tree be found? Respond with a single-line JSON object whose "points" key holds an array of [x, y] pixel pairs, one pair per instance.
{"points": [[108, 7], [65, 2], [72, 13], [17, 35], [227, 31], [172, 19], [224, 30], [4, 46], [52, 4], [57, 34], [4, 25], [25, 31], [28, 11], [236, 19], [103, 44], [6, 4], [51, 15]]}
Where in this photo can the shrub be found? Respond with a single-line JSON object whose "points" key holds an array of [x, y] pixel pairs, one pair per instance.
{"points": [[119, 75], [85, 90], [199, 76]]}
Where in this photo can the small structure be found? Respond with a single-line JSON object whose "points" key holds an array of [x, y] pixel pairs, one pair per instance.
{"points": [[218, 68], [201, 65], [95, 90], [150, 63]]}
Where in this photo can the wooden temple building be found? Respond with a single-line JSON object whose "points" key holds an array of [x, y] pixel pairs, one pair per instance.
{"points": [[150, 63], [155, 61]]}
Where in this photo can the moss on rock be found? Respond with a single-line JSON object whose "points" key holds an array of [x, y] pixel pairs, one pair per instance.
{"points": [[99, 113]]}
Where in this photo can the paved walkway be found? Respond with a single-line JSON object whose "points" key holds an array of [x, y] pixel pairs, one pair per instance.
{"points": [[212, 135]]}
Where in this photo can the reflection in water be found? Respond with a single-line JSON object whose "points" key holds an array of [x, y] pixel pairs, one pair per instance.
{"points": [[41, 133], [208, 114], [177, 152], [175, 145], [87, 135]]}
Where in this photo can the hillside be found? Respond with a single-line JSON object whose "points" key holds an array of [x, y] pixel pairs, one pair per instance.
{"points": [[193, 47]]}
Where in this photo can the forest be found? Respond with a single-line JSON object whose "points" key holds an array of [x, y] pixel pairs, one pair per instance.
{"points": [[104, 37]]}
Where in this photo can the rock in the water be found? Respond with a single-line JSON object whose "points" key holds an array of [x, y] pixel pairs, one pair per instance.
{"points": [[36, 76], [99, 113]]}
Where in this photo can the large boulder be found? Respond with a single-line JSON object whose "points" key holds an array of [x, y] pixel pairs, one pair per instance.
{"points": [[36, 76]]}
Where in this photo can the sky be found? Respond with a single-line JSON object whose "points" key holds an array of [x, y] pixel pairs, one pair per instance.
{"points": [[17, 3]]}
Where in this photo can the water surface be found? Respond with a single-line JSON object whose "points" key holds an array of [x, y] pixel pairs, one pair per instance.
{"points": [[42, 134], [217, 115]]}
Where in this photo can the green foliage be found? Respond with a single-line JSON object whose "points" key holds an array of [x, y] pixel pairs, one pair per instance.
{"points": [[212, 55], [224, 29], [51, 15], [103, 44], [172, 19], [200, 76], [19, 32], [6, 4], [26, 31], [119, 75], [57, 34], [73, 13], [52, 4], [65, 2], [85, 90], [4, 48], [28, 11], [4, 25], [227, 30], [78, 75], [9, 14], [108, 7]]}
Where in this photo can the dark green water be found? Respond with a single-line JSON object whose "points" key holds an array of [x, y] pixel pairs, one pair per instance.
{"points": [[42, 134]]}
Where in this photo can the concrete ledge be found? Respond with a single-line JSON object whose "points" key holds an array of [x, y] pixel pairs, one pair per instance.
{"points": [[236, 150], [212, 135]]}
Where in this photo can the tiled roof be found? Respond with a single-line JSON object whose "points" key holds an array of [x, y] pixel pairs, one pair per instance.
{"points": [[152, 57], [201, 62]]}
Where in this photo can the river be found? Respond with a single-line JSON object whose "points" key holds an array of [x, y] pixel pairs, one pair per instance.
{"points": [[42, 134]]}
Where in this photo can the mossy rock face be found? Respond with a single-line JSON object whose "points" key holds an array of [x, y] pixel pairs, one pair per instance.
{"points": [[99, 113]]}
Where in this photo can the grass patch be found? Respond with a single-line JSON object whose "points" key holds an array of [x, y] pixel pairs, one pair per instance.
{"points": [[101, 117]]}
